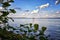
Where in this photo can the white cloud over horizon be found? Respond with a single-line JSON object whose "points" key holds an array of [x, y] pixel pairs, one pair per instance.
{"points": [[42, 14]]}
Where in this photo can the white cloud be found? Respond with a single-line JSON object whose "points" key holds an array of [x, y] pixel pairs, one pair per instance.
{"points": [[42, 14], [36, 14], [57, 2], [57, 12], [35, 11], [1, 8], [44, 6]]}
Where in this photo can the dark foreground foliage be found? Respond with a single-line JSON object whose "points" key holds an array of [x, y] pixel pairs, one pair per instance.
{"points": [[29, 34], [5, 35]]}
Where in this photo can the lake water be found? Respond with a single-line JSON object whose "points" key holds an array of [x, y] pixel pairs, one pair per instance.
{"points": [[53, 25]]}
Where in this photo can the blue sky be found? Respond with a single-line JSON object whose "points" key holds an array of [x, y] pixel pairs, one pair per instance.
{"points": [[32, 5]]}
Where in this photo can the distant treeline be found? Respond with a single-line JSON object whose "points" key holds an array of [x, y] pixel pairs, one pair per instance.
{"points": [[33, 18]]}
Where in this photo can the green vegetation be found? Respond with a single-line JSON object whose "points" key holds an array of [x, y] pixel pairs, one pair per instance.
{"points": [[6, 11], [26, 32], [6, 35], [36, 26]]}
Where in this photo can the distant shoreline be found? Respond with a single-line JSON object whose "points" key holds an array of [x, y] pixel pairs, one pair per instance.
{"points": [[36, 18]]}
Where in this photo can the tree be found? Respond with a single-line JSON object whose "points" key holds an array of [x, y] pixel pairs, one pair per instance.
{"points": [[5, 11]]}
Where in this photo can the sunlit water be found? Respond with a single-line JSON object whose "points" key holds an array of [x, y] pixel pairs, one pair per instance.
{"points": [[53, 25]]}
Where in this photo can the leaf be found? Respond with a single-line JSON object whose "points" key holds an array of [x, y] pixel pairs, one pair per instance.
{"points": [[36, 26], [42, 38], [43, 28], [11, 1], [0, 17], [12, 10], [11, 18], [5, 4], [21, 25], [5, 21], [41, 33], [29, 30], [4, 13], [30, 24], [10, 27]]}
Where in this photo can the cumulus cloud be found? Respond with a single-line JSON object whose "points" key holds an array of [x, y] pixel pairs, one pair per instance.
{"points": [[35, 11], [57, 2], [44, 6]]}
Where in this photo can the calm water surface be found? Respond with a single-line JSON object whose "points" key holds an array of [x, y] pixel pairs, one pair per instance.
{"points": [[53, 25]]}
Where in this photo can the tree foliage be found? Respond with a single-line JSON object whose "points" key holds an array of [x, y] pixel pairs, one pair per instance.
{"points": [[6, 10]]}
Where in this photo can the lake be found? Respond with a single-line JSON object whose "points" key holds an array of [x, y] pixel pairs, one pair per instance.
{"points": [[53, 25]]}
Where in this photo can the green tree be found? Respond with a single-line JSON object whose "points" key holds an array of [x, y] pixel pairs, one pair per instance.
{"points": [[5, 11]]}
